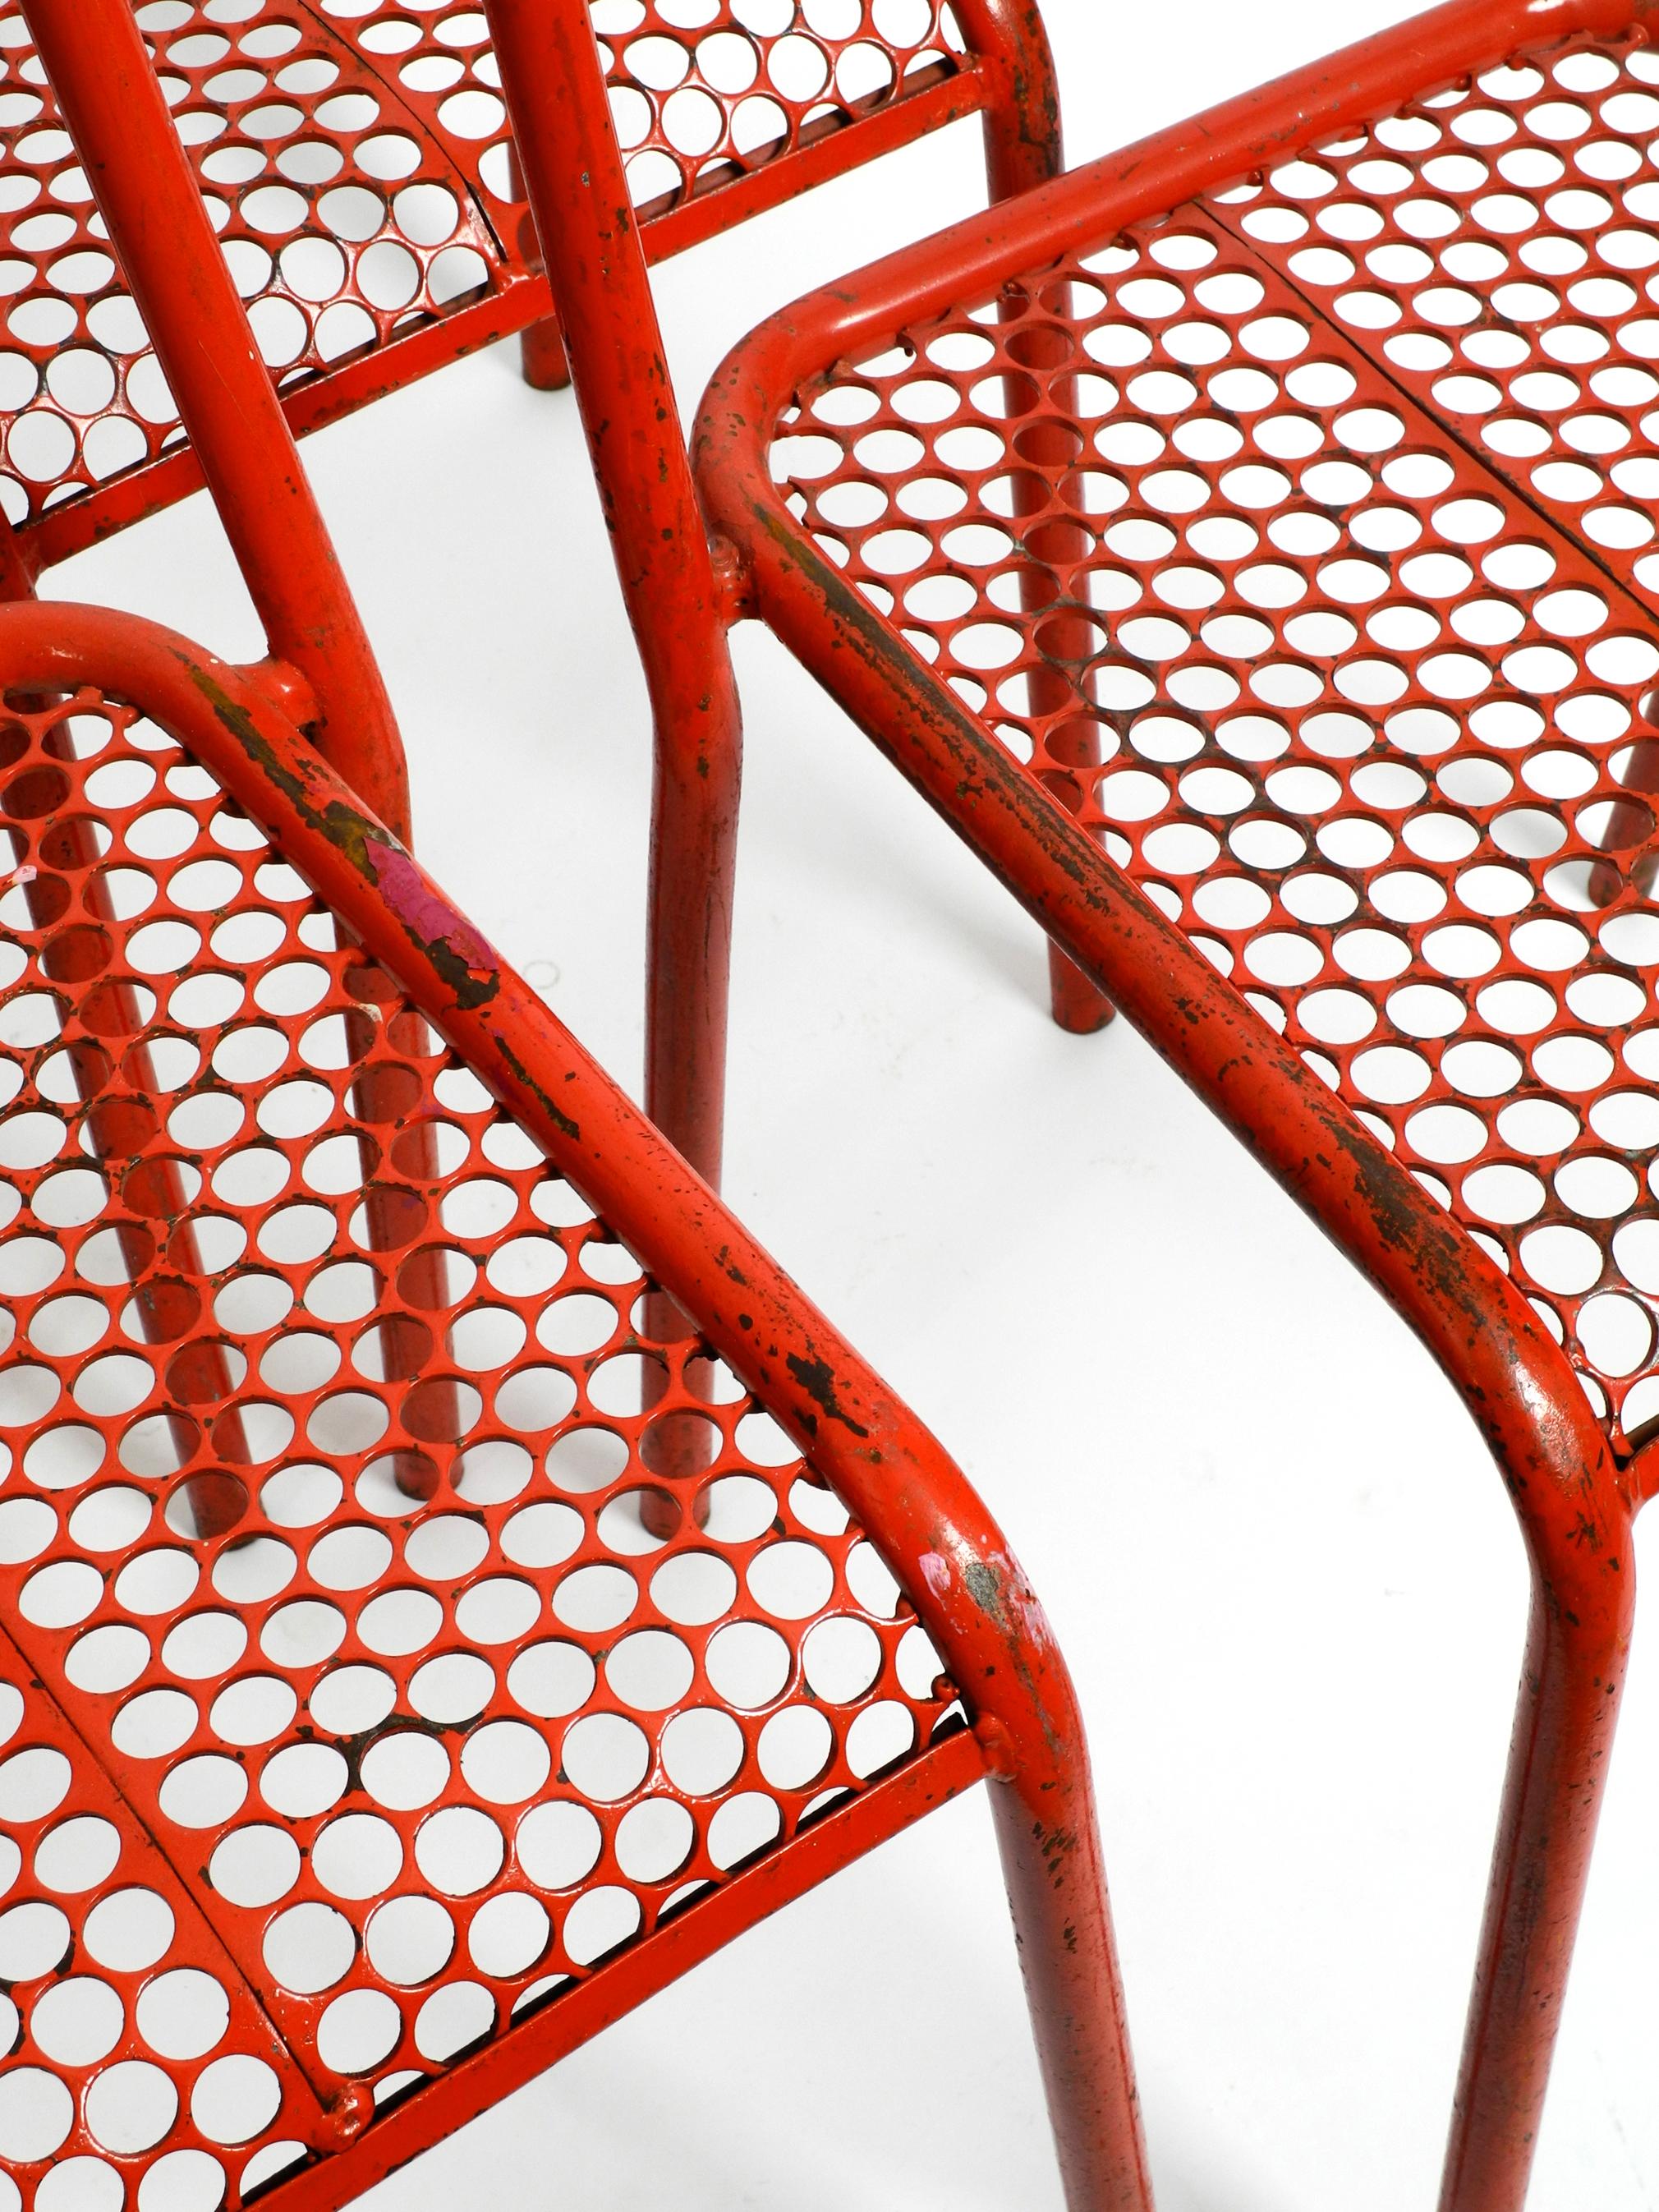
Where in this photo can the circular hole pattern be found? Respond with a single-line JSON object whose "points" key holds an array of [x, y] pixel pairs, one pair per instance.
{"points": [[1356, 717], [341, 1508], [357, 170]]}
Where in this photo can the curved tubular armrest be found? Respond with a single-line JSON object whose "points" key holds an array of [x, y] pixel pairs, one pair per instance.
{"points": [[936, 1536]]}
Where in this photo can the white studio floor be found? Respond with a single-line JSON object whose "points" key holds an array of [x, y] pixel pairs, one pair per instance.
{"points": [[1281, 1566]]}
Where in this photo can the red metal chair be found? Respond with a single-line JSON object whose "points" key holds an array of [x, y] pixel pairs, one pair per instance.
{"points": [[1243, 543], [450, 1580], [355, 159]]}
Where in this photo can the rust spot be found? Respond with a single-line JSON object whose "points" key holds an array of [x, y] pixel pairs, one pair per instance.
{"points": [[816, 1378]]}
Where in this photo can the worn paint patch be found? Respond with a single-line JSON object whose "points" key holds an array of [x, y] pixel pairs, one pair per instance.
{"points": [[543, 1097], [345, 828], [469, 964], [816, 1378], [984, 1581]]}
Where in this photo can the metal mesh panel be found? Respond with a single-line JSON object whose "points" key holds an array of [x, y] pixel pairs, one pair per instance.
{"points": [[1329, 674], [354, 158], [134, 2052], [1497, 247], [447, 1614]]}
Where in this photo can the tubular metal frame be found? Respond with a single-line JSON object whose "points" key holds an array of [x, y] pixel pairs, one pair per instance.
{"points": [[1575, 1490], [1004, 74], [249, 735]]}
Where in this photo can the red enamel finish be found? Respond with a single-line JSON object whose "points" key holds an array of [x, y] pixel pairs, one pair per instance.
{"points": [[358, 165], [453, 1582], [313, 1561], [623, 388], [1223, 575]]}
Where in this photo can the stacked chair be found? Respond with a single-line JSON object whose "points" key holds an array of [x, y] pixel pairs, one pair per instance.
{"points": [[1241, 541], [452, 1581], [1245, 545]]}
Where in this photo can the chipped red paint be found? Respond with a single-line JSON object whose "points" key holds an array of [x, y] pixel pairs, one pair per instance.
{"points": [[947, 1555], [427, 916]]}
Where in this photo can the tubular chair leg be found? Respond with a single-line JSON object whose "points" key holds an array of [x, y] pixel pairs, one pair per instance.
{"points": [[1073, 746], [1052, 1864], [1023, 149], [694, 849], [1563, 1731], [1075, 1003], [542, 356], [1023, 146], [1078, 1004]]}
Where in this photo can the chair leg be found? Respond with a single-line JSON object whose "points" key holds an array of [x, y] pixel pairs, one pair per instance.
{"points": [[694, 844], [1052, 1864], [1071, 740], [1022, 145], [542, 356], [1563, 1731], [1074, 1001], [1023, 149], [693, 847]]}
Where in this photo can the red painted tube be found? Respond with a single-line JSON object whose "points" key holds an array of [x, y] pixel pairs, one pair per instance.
{"points": [[112, 104], [1012, 55], [570, 159]]}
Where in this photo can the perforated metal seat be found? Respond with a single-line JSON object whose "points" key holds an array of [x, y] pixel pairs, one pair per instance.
{"points": [[415, 1644], [1375, 729], [322, 1401], [448, 1574], [356, 158]]}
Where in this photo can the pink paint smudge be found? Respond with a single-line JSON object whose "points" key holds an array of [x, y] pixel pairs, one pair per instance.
{"points": [[420, 910], [936, 1573]]}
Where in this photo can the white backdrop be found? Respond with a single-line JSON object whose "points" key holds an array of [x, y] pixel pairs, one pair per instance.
{"points": [[1281, 1566]]}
